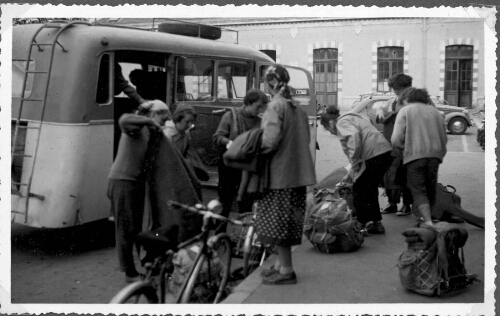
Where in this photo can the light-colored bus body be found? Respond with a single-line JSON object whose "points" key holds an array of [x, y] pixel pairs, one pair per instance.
{"points": [[76, 139]]}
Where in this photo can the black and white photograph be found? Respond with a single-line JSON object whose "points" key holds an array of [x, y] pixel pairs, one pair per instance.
{"points": [[248, 159]]}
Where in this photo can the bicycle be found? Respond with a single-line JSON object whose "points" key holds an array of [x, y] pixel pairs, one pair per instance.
{"points": [[208, 275], [247, 247]]}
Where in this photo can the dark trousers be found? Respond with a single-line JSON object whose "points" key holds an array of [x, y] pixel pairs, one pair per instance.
{"points": [[365, 189], [127, 201], [229, 183], [395, 182], [422, 180]]}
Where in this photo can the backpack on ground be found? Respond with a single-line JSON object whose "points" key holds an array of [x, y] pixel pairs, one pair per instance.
{"points": [[448, 204], [433, 264], [330, 226]]}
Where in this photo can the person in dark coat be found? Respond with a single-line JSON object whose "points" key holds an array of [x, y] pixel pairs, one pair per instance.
{"points": [[232, 124], [395, 177], [180, 134]]}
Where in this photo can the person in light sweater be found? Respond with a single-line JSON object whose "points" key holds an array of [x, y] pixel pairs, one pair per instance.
{"points": [[419, 131]]}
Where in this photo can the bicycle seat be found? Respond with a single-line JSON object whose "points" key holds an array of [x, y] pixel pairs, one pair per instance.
{"points": [[157, 242]]}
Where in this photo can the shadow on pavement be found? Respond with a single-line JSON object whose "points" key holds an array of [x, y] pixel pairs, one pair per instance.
{"points": [[77, 239]]}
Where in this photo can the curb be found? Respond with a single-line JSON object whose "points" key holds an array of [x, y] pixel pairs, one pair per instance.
{"points": [[251, 283], [248, 285]]}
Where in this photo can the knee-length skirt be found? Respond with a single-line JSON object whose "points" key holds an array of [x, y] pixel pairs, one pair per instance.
{"points": [[280, 216]]}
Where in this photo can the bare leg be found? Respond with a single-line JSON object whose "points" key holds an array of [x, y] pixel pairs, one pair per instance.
{"points": [[285, 258], [425, 212], [277, 265]]}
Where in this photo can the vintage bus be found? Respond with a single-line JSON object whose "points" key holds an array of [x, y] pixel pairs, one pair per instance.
{"points": [[65, 106]]}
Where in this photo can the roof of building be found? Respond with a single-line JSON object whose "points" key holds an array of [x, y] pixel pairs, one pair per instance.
{"points": [[225, 23]]}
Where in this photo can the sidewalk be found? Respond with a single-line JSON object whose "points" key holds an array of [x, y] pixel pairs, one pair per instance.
{"points": [[370, 275]]}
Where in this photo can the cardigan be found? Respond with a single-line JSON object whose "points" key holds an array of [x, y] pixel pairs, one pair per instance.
{"points": [[420, 132]]}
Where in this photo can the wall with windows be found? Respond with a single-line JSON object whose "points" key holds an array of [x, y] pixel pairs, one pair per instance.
{"points": [[420, 42]]}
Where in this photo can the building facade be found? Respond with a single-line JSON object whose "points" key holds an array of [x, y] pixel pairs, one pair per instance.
{"points": [[350, 57]]}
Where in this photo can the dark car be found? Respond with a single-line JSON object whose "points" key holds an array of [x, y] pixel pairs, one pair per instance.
{"points": [[457, 119]]}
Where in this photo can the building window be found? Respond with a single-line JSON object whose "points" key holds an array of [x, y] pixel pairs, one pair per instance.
{"points": [[390, 61], [458, 75], [270, 52], [326, 75]]}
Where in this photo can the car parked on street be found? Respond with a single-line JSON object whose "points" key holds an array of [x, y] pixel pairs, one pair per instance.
{"points": [[457, 119]]}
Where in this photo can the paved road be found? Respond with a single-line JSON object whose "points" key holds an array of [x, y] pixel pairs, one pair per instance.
{"points": [[370, 275], [79, 265]]}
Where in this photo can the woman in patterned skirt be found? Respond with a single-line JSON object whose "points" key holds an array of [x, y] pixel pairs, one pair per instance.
{"points": [[281, 208]]}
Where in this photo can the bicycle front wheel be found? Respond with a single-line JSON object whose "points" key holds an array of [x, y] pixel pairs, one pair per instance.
{"points": [[207, 283], [140, 292]]}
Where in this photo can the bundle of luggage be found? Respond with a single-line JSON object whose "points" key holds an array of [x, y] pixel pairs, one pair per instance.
{"points": [[183, 261], [330, 225], [433, 263]]}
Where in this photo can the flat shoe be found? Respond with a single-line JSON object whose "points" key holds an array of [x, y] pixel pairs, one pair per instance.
{"points": [[375, 229], [404, 211], [279, 279], [268, 272], [392, 208]]}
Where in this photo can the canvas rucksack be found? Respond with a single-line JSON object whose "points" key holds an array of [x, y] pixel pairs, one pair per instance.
{"points": [[433, 264], [329, 224]]}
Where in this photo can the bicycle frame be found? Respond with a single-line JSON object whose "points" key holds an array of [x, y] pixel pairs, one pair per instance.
{"points": [[205, 249]]}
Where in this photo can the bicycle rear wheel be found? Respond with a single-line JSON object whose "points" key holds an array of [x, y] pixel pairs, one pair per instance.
{"points": [[140, 292], [207, 283], [253, 253]]}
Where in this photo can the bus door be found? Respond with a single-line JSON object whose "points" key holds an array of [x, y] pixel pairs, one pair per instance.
{"points": [[302, 89], [142, 72], [212, 87]]}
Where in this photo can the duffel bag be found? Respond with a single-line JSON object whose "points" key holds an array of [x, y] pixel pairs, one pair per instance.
{"points": [[330, 227], [448, 203]]}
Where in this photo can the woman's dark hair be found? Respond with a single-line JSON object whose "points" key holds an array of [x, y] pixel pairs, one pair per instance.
{"points": [[331, 113], [399, 82], [255, 95], [182, 114], [414, 95]]}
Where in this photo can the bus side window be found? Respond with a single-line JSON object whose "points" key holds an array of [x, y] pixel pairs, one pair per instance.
{"points": [[103, 83], [194, 79], [232, 80]]}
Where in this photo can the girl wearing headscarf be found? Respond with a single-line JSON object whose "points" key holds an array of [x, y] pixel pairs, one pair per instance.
{"points": [[281, 208]]}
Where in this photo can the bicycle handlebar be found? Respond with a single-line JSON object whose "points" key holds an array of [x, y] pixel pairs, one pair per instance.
{"points": [[206, 213]]}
